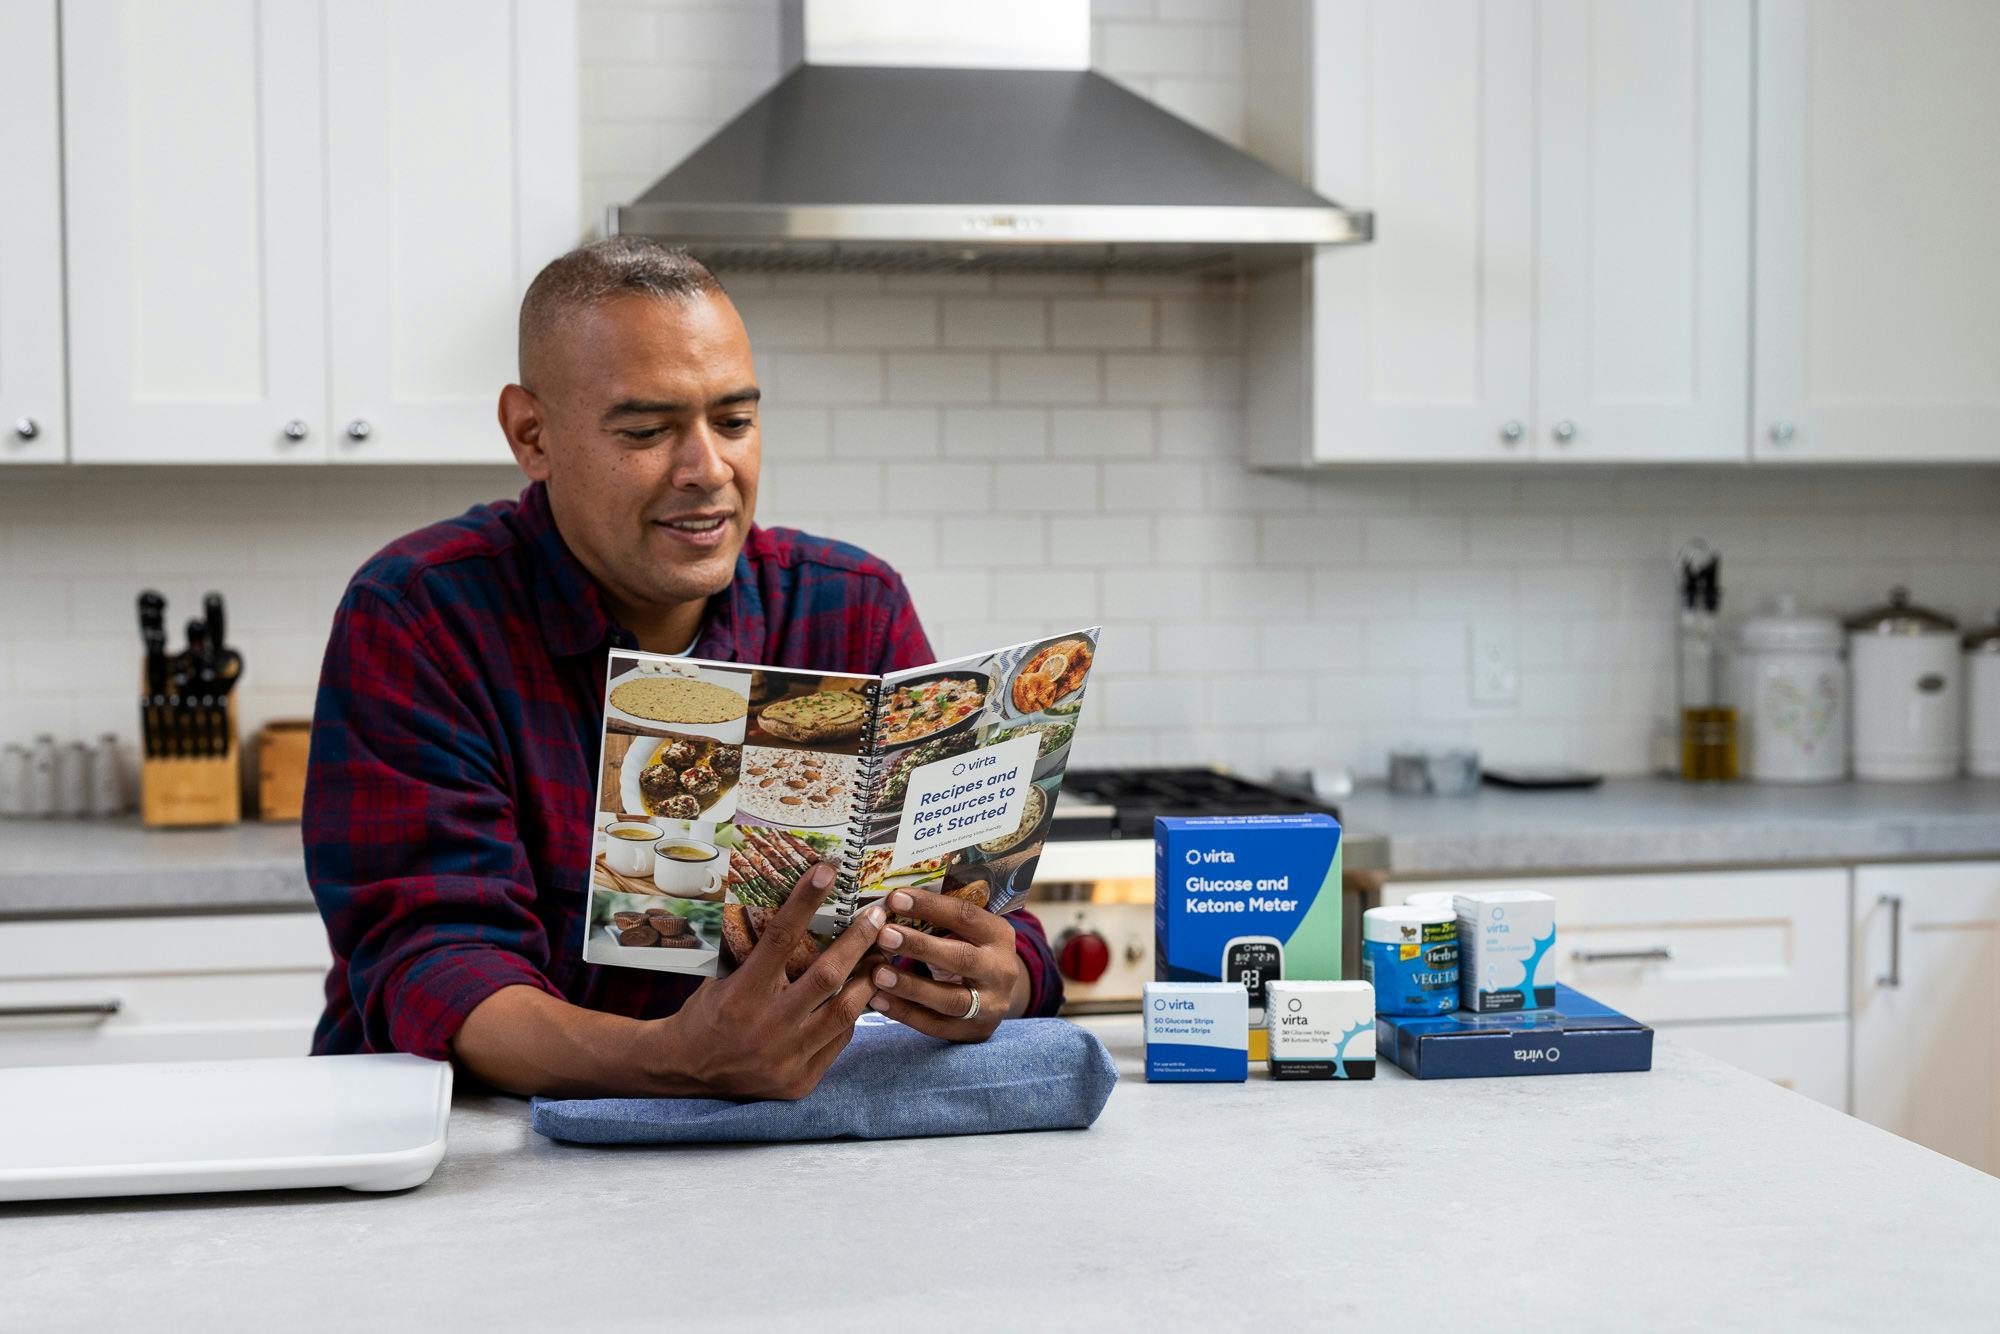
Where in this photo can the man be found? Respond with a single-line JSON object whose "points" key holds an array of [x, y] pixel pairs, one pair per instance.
{"points": [[450, 799]]}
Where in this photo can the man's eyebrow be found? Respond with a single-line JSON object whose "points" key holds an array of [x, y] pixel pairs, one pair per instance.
{"points": [[637, 407]]}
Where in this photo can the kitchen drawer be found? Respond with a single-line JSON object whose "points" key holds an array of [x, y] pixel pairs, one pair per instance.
{"points": [[1697, 946], [1807, 1056], [160, 988]]}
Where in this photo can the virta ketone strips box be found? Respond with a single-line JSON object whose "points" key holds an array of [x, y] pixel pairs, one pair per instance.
{"points": [[1246, 898]]}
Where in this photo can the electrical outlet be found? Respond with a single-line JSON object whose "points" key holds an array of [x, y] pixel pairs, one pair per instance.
{"points": [[1496, 667]]}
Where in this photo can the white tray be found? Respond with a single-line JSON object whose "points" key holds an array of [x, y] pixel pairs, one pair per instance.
{"points": [[364, 1122]]}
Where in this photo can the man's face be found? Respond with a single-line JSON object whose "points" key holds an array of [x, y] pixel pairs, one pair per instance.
{"points": [[644, 426]]}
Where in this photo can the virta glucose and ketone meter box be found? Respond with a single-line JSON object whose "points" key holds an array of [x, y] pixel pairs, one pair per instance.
{"points": [[1320, 1030], [1197, 1032], [1506, 940], [1246, 899]]}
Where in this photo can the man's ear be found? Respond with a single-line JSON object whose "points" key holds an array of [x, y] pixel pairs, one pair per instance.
{"points": [[522, 421]]}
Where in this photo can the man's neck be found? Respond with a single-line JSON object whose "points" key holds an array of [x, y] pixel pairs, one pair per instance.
{"points": [[659, 629]]}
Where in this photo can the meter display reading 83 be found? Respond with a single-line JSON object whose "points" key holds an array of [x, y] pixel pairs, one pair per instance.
{"points": [[1254, 961]]}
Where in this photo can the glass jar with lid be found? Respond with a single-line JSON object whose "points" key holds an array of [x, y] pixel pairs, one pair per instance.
{"points": [[1791, 694]]}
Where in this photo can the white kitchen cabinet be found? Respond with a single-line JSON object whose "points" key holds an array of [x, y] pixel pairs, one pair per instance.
{"points": [[33, 425], [1642, 336], [1876, 273], [1808, 1056], [449, 185], [1926, 1021], [298, 229], [1560, 264], [193, 144], [1418, 346], [160, 988], [1698, 946]]}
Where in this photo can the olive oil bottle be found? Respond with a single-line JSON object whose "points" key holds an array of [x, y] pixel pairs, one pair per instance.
{"points": [[1708, 725]]}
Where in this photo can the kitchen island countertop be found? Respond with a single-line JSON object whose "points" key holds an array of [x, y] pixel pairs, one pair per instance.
{"points": [[1693, 1195]]}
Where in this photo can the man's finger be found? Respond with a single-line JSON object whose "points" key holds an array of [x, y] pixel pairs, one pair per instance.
{"points": [[838, 1015], [788, 925], [949, 1000], [919, 1018], [954, 956], [836, 965], [949, 914]]}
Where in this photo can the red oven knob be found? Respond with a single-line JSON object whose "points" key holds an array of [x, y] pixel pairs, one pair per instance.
{"points": [[1082, 956]]}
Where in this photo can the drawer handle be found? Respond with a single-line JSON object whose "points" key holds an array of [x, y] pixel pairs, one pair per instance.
{"points": [[1894, 977], [1659, 954], [103, 1009]]}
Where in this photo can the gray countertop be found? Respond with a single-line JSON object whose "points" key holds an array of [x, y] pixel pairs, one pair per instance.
{"points": [[1691, 1196], [1640, 823], [55, 867]]}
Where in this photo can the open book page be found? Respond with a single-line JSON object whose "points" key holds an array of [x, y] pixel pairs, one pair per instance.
{"points": [[970, 755], [721, 784]]}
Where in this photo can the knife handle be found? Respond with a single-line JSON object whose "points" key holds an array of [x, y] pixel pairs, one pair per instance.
{"points": [[212, 612]]}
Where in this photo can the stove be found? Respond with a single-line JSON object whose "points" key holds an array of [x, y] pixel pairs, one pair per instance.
{"points": [[1093, 887], [1121, 803]]}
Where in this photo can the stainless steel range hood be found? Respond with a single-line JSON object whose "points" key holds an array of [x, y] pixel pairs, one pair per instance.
{"points": [[852, 161]]}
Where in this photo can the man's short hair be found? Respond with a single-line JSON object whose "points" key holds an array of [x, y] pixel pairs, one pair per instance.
{"points": [[600, 271]]}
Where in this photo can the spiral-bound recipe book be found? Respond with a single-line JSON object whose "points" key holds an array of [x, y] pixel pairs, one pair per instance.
{"points": [[722, 783]]}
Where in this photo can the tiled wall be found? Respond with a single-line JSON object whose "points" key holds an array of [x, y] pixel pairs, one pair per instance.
{"points": [[1035, 453]]}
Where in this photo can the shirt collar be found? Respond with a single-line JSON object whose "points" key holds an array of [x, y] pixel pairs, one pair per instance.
{"points": [[573, 617]]}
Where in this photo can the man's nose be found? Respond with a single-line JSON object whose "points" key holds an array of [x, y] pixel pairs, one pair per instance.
{"points": [[699, 464]]}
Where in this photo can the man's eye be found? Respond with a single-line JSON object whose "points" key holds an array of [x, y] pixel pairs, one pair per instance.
{"points": [[644, 433], [737, 424]]}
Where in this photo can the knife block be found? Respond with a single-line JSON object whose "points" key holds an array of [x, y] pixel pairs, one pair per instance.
{"points": [[175, 791]]}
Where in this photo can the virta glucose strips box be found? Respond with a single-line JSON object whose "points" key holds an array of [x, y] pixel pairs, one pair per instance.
{"points": [[1197, 1031], [1577, 1037], [1505, 941], [1320, 1030], [1246, 899]]}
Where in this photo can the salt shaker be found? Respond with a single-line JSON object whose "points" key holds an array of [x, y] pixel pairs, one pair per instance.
{"points": [[73, 781], [42, 777], [14, 782], [107, 779]]}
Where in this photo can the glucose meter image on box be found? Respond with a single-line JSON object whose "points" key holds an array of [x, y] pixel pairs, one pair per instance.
{"points": [[1254, 961]]}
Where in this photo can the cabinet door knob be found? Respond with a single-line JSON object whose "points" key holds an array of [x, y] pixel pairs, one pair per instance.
{"points": [[27, 427], [1781, 432], [1512, 431], [1564, 431], [295, 429], [359, 429]]}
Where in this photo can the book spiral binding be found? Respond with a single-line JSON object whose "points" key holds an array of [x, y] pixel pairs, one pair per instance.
{"points": [[853, 850]]}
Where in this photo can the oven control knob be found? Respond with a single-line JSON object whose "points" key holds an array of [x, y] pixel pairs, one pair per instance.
{"points": [[1082, 956]]}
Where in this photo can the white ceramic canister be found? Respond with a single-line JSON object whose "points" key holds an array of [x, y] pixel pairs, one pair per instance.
{"points": [[1791, 695], [1908, 716], [1982, 701]]}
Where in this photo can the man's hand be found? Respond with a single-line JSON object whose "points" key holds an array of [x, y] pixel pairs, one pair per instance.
{"points": [[752, 1034], [749, 1035], [982, 957]]}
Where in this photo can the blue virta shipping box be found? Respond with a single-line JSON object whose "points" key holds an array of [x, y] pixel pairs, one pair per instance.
{"points": [[1249, 899], [1577, 1036]]}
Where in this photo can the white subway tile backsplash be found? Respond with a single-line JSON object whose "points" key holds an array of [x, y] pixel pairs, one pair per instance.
{"points": [[993, 542], [1045, 488], [940, 377], [793, 379], [1207, 539], [1310, 539], [1144, 593], [1102, 540], [996, 433], [884, 322], [1165, 378], [782, 321], [1102, 322], [886, 433], [1054, 377], [1155, 48], [1154, 487], [996, 322], [1078, 433], [1046, 597]]}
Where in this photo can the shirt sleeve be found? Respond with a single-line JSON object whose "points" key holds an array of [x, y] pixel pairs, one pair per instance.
{"points": [[1045, 985], [410, 834], [903, 641]]}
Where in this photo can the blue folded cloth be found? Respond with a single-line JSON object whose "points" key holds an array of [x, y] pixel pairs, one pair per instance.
{"points": [[892, 1082]]}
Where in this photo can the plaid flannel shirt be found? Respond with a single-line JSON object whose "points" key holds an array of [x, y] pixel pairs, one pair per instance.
{"points": [[451, 792]]}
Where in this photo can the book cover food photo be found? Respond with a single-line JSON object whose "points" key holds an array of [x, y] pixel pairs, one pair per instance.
{"points": [[722, 783]]}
